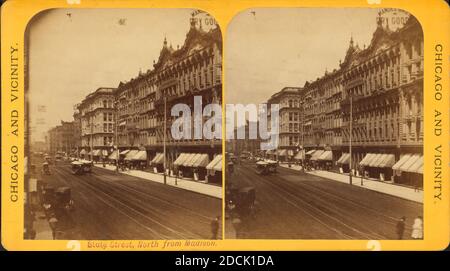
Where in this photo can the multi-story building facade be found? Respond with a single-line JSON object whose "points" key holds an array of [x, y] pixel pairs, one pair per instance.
{"points": [[60, 138], [381, 88], [96, 115], [384, 82], [290, 120], [194, 69], [246, 145]]}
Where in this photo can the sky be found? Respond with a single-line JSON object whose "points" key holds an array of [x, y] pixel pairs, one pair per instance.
{"points": [[268, 49], [72, 52]]}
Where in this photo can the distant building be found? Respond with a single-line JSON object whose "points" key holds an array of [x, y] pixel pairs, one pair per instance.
{"points": [[60, 138], [96, 116], [290, 120], [245, 145]]}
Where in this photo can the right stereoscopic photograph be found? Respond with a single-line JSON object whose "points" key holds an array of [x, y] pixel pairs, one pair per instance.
{"points": [[324, 124]]}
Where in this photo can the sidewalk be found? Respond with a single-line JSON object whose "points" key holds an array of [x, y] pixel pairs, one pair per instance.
{"points": [[199, 187], [379, 186], [42, 227]]}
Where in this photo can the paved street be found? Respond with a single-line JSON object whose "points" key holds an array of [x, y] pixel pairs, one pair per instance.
{"points": [[295, 205], [111, 206]]}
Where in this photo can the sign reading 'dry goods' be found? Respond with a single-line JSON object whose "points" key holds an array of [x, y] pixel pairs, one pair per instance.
{"points": [[231, 126]]}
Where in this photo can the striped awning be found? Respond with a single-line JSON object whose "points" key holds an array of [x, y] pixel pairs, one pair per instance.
{"points": [[326, 156], [408, 163], [181, 158], [202, 160], [388, 160], [140, 156], [188, 160], [124, 152], [376, 160], [130, 155], [367, 159], [400, 162], [113, 155], [315, 156], [345, 158], [415, 167], [158, 159], [217, 159]]}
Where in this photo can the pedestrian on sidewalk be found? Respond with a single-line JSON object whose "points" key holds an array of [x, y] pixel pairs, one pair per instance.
{"points": [[417, 232], [215, 227], [401, 227], [53, 222]]}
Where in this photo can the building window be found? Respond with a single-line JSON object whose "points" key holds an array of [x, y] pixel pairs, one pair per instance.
{"points": [[105, 127]]}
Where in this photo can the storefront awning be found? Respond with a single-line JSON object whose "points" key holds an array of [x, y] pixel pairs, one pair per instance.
{"points": [[315, 156], [189, 159], [310, 152], [400, 162], [300, 155], [416, 165], [202, 160], [113, 155], [140, 156], [345, 158], [217, 159], [409, 162], [83, 152], [326, 156], [124, 152], [104, 153], [376, 160], [388, 160], [131, 154], [158, 159], [270, 152], [181, 158], [367, 159], [282, 152], [420, 169]]}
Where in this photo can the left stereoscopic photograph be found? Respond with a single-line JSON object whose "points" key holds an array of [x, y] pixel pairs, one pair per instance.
{"points": [[122, 111]]}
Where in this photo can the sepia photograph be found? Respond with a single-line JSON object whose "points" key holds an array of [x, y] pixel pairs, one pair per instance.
{"points": [[339, 95], [108, 155]]}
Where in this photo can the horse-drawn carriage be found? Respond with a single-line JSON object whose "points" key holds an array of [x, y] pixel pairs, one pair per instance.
{"points": [[242, 201], [265, 167]]}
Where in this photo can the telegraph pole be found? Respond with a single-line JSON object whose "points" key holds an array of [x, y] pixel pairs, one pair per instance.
{"points": [[165, 137], [350, 141], [92, 138], [117, 136]]}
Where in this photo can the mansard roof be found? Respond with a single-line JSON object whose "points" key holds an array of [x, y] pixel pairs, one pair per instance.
{"points": [[382, 39], [196, 39]]}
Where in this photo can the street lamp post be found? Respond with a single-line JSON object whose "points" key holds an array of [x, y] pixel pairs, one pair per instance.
{"points": [[165, 138], [92, 140], [117, 135], [350, 138]]}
